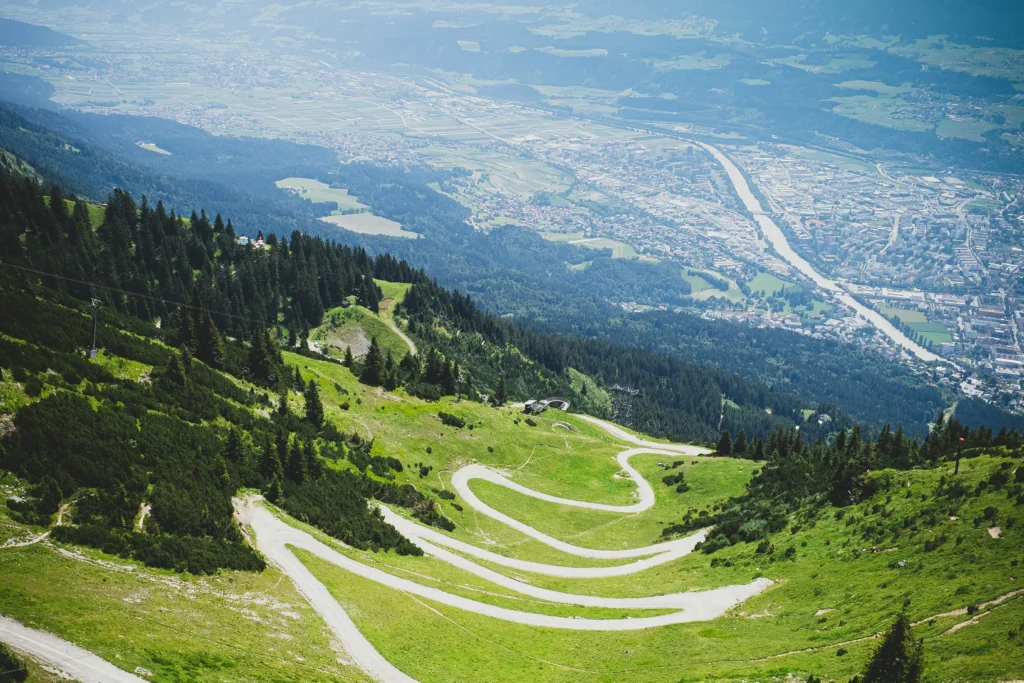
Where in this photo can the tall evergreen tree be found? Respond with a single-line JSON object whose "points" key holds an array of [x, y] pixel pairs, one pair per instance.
{"points": [[270, 462], [898, 659], [314, 406], [740, 447], [758, 450], [209, 347], [348, 357], [373, 365], [724, 444], [296, 470]]}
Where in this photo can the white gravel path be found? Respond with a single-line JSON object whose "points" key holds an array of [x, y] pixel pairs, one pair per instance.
{"points": [[414, 530], [274, 538], [77, 663]]}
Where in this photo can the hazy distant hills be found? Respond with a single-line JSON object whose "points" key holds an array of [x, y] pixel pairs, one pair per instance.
{"points": [[19, 34]]}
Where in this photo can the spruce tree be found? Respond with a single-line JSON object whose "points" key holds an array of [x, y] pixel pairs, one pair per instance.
{"points": [[314, 406], [208, 344], [499, 393], [234, 450], [314, 468], [724, 444], [373, 366], [740, 447], [759, 450], [175, 372], [899, 658], [282, 404], [348, 357], [261, 361], [296, 470], [270, 463]]}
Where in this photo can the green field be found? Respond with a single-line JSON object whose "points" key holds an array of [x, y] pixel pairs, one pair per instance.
{"points": [[936, 333], [618, 249], [321, 193], [368, 224], [769, 285], [701, 289], [965, 129]]}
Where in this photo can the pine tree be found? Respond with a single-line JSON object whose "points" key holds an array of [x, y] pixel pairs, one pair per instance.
{"points": [[275, 492], [724, 444], [282, 404], [175, 372], [297, 382], [208, 344], [499, 393], [740, 447], [314, 468], [261, 360], [314, 406], [758, 450], [373, 366], [348, 357], [234, 450], [296, 470], [898, 659], [270, 463]]}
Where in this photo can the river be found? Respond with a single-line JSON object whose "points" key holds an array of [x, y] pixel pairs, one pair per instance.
{"points": [[778, 240]]}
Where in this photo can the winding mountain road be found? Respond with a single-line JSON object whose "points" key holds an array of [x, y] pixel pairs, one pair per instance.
{"points": [[276, 539]]}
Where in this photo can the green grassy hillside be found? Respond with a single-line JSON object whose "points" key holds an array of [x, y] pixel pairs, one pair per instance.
{"points": [[850, 569]]}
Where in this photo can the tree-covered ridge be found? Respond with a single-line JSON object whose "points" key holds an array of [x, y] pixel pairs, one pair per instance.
{"points": [[160, 260], [180, 440], [798, 476], [679, 400]]}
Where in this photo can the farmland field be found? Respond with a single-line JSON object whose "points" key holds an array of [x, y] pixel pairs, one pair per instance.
{"points": [[368, 224], [619, 249], [321, 193]]}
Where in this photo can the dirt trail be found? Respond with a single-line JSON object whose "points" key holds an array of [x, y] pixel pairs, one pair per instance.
{"points": [[995, 602], [41, 537], [75, 662]]}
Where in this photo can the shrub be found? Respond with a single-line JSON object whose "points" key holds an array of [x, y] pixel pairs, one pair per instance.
{"points": [[530, 422], [451, 420], [12, 669], [34, 387], [345, 405]]}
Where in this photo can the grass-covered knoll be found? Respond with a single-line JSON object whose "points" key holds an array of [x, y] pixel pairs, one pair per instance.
{"points": [[354, 327]]}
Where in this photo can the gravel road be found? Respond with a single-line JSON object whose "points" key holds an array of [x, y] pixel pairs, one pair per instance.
{"points": [[77, 663]]}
